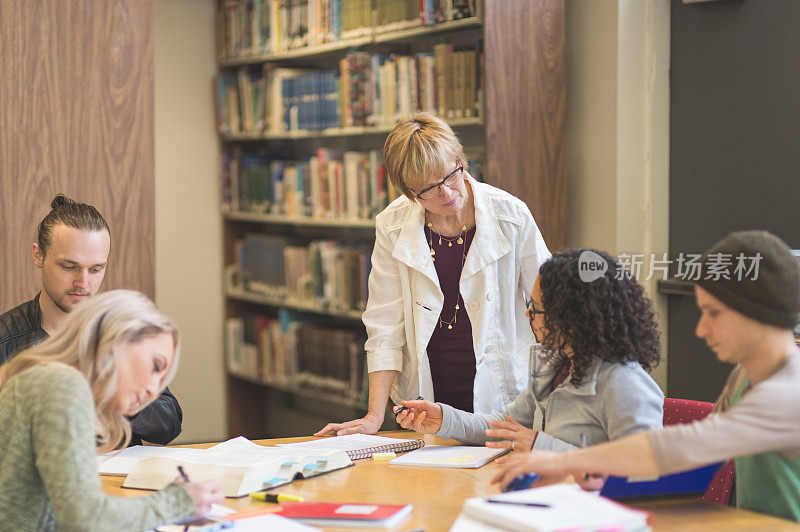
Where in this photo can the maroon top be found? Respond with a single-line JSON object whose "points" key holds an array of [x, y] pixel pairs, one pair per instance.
{"points": [[450, 351]]}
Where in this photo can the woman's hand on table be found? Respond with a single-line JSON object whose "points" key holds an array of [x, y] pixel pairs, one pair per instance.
{"points": [[369, 424]]}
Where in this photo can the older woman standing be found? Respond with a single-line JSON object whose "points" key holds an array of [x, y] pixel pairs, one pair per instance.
{"points": [[453, 262]]}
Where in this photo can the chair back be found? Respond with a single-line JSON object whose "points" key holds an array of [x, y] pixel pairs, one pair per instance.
{"points": [[680, 411]]}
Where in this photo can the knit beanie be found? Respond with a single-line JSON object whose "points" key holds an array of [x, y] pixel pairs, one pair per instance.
{"points": [[766, 285]]}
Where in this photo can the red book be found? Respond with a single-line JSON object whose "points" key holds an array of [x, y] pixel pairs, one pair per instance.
{"points": [[346, 514]]}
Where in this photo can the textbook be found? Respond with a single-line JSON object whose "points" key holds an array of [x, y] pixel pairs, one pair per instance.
{"points": [[463, 456], [240, 466], [358, 446], [548, 509], [348, 515]]}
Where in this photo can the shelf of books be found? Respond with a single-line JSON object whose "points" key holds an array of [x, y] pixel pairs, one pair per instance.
{"points": [[311, 393], [291, 303], [305, 94], [260, 31], [350, 131], [256, 217]]}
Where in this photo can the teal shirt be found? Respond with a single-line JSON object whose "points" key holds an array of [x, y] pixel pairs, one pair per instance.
{"points": [[768, 482]]}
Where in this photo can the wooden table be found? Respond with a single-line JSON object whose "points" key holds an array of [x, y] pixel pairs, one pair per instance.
{"points": [[439, 493]]}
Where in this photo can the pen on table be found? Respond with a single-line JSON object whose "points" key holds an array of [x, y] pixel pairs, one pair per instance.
{"points": [[183, 474], [520, 503], [274, 497], [419, 397], [584, 446]]}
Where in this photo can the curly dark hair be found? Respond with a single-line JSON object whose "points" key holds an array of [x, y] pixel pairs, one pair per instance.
{"points": [[610, 318]]}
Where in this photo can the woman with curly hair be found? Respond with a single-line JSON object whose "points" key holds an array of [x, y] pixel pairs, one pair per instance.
{"points": [[588, 375], [746, 320]]}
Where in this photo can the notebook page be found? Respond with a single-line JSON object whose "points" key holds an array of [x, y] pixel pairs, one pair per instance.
{"points": [[351, 442], [463, 456], [121, 462]]}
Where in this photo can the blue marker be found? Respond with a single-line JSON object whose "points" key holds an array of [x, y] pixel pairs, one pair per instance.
{"points": [[522, 482]]}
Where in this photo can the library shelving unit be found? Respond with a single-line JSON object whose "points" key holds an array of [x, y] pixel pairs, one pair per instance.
{"points": [[517, 130]]}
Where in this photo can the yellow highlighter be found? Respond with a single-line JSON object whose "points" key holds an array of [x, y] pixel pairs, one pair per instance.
{"points": [[274, 497]]}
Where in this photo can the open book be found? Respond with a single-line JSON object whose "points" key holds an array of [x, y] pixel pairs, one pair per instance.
{"points": [[240, 466]]}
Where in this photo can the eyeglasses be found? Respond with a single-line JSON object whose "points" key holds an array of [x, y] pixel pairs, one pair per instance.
{"points": [[532, 311], [433, 190]]}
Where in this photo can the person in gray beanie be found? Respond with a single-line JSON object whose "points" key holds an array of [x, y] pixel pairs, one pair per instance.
{"points": [[748, 295]]}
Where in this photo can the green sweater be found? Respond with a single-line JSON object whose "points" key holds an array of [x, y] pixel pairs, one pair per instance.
{"points": [[48, 464], [767, 482], [760, 429]]}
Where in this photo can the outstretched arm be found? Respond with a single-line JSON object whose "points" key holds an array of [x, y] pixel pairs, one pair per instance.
{"points": [[631, 456]]}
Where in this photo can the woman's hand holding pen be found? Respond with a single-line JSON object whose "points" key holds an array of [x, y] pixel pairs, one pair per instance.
{"points": [[422, 416], [513, 436], [204, 494]]}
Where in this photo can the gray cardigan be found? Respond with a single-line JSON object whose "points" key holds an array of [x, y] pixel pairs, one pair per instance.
{"points": [[614, 400], [48, 461]]}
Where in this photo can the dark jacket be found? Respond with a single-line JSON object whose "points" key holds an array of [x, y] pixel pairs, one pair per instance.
{"points": [[21, 327]]}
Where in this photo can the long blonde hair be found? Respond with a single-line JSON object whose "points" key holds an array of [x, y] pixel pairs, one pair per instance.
{"points": [[86, 341]]}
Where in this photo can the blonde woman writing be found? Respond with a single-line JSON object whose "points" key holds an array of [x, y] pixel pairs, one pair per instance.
{"points": [[65, 399]]}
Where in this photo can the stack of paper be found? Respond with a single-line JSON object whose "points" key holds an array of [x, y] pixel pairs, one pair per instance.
{"points": [[553, 508]]}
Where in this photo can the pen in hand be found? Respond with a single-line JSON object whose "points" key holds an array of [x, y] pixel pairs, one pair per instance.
{"points": [[183, 474], [419, 398], [584, 446]]}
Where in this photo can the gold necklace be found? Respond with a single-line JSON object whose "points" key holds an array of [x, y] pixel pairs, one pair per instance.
{"points": [[459, 240]]}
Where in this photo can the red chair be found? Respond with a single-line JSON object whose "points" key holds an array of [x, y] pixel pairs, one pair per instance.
{"points": [[684, 411]]}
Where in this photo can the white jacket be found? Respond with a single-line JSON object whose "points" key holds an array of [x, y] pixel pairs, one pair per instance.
{"points": [[405, 299]]}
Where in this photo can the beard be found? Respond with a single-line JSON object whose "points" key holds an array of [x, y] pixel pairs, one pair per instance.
{"points": [[63, 302]]}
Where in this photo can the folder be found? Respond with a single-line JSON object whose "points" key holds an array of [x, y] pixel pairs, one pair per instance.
{"points": [[693, 482]]}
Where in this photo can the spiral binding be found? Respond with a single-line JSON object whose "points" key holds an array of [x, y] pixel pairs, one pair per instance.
{"points": [[409, 445]]}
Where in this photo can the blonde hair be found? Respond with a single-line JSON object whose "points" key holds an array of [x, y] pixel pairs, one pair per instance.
{"points": [[420, 146], [86, 341]]}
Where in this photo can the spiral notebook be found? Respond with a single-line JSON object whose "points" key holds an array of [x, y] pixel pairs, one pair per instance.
{"points": [[358, 446]]}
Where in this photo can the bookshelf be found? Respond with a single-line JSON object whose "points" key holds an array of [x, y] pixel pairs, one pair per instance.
{"points": [[300, 191]]}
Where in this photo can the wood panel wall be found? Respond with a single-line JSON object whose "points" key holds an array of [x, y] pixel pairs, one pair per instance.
{"points": [[525, 101], [76, 116]]}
